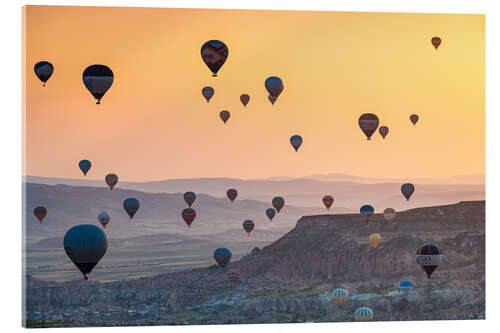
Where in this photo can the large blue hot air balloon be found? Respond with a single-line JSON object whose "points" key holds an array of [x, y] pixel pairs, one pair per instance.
{"points": [[214, 53], [270, 212], [85, 245], [296, 141], [44, 70], [84, 165], [278, 203], [407, 190], [274, 86], [222, 256], [131, 206], [367, 212], [98, 79]]}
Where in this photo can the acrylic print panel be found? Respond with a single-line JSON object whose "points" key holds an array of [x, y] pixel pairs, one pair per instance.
{"points": [[196, 166]]}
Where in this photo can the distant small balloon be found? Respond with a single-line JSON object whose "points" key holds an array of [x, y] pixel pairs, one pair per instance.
{"points": [[405, 285], [278, 203], [189, 198], [207, 92], [407, 190], [375, 240], [436, 41], [44, 70], [414, 118], [274, 86], [84, 165], [131, 206], [429, 258], [104, 219], [40, 213], [383, 130], [328, 201], [222, 256], [363, 314], [248, 226], [232, 194], [224, 115], [111, 179], [339, 296], [214, 54], [245, 98], [368, 122], [270, 212], [188, 214], [366, 211], [296, 141], [98, 79], [389, 214]]}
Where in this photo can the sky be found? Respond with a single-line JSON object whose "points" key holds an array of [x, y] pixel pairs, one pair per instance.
{"points": [[154, 123]]}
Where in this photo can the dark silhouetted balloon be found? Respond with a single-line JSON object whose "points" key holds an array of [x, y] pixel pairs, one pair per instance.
{"points": [[389, 214], [85, 245], [214, 53], [383, 130], [328, 201], [270, 212], [207, 92], [40, 213], [272, 99], [111, 179], [131, 206], [245, 98], [98, 79], [429, 257], [414, 118], [84, 165], [363, 314], [222, 256], [44, 70], [188, 214], [366, 211], [232, 194], [104, 219], [278, 203], [248, 225], [407, 189], [296, 141], [436, 41], [274, 86], [189, 198], [224, 115], [368, 122]]}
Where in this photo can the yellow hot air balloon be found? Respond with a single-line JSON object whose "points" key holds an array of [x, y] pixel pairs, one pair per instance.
{"points": [[375, 240], [339, 296]]}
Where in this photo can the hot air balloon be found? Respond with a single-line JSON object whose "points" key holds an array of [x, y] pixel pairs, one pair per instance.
{"points": [[188, 214], [278, 203], [375, 240], [414, 118], [436, 41], [232, 194], [44, 70], [274, 86], [103, 218], [222, 256], [98, 79], [339, 296], [270, 212], [407, 189], [367, 212], [207, 92], [224, 115], [328, 201], [248, 225], [85, 245], [189, 198], [405, 285], [272, 99], [233, 276], [383, 130], [296, 141], [245, 98], [84, 165], [40, 213], [389, 214], [368, 122], [131, 206], [429, 257], [214, 53], [111, 179], [363, 314]]}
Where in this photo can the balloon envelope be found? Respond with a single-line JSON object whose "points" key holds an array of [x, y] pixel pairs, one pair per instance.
{"points": [[278, 203], [104, 218], [111, 179], [233, 276], [189, 198], [245, 98], [407, 189], [405, 285], [272, 99], [375, 240], [44, 70], [328, 201], [248, 226], [131, 206], [84, 165], [224, 115], [40, 213], [85, 245], [98, 79], [383, 130], [339, 296], [363, 314], [188, 214], [436, 41], [270, 212], [207, 92], [274, 86], [232, 194], [429, 257], [368, 122], [366, 211], [222, 256], [296, 141], [414, 118], [389, 214], [214, 53]]}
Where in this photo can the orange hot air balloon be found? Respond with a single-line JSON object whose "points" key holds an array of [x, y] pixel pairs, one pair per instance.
{"points": [[328, 201], [436, 41], [389, 214], [375, 240]]}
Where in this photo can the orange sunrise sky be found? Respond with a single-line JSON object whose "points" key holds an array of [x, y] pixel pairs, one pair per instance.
{"points": [[154, 123]]}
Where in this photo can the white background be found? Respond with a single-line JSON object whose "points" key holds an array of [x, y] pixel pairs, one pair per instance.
{"points": [[11, 156]]}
